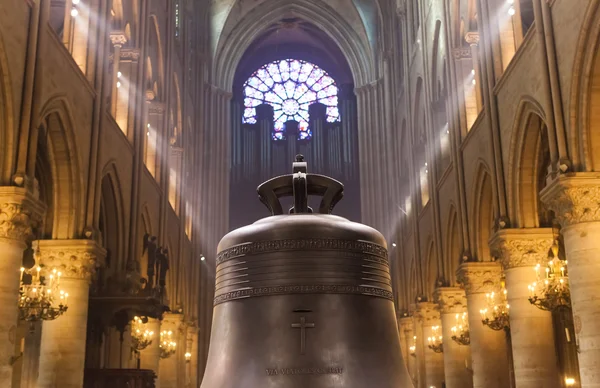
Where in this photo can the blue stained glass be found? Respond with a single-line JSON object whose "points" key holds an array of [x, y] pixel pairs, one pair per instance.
{"points": [[290, 86]]}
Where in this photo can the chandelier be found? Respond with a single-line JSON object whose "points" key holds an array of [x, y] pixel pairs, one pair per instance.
{"points": [[40, 298], [551, 290], [167, 345], [141, 337], [460, 332], [496, 315], [412, 350], [435, 341]]}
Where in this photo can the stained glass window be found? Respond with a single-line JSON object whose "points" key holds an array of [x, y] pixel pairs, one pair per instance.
{"points": [[290, 86]]}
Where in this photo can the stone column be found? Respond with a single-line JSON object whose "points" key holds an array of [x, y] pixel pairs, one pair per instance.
{"points": [[532, 332], [575, 199], [168, 367], [434, 362], [118, 39], [62, 351], [150, 357], [192, 347], [19, 211], [472, 38], [489, 353], [452, 301], [407, 335]]}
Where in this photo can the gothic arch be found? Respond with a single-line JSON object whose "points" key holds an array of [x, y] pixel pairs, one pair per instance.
{"points": [[7, 130], [56, 125], [144, 228], [482, 212], [584, 134], [452, 245], [156, 57], [178, 122], [432, 273], [436, 61], [111, 215], [528, 144], [413, 282], [253, 24]]}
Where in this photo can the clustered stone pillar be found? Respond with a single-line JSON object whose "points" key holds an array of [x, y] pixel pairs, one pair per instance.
{"points": [[18, 212], [453, 301], [150, 357], [574, 198], [62, 352], [168, 370], [434, 362], [489, 353], [532, 332], [408, 339]]}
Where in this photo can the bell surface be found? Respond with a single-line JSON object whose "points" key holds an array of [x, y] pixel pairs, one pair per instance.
{"points": [[304, 300]]}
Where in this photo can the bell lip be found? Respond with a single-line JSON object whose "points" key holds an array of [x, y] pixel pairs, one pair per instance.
{"points": [[302, 226]]}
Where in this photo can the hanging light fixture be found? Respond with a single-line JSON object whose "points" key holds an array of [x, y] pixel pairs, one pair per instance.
{"points": [[435, 341], [551, 290], [40, 296], [460, 332], [141, 337], [167, 345], [412, 350], [496, 315]]}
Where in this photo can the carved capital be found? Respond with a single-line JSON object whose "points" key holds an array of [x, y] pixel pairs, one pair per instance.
{"points": [[156, 108], [76, 259], [118, 38], [472, 38], [406, 324], [427, 313], [20, 212], [461, 53], [479, 277], [574, 198], [130, 54], [521, 247], [451, 300]]}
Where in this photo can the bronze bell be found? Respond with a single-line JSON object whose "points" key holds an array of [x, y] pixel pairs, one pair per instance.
{"points": [[304, 300]]}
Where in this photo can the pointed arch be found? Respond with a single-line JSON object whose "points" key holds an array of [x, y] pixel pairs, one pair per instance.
{"points": [[56, 125], [482, 212], [7, 129], [245, 29], [111, 216], [432, 272], [528, 158], [584, 134], [157, 54], [144, 228], [436, 61], [413, 282], [452, 244]]}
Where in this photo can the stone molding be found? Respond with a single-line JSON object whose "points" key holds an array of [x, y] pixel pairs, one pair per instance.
{"points": [[574, 198], [521, 247], [156, 108], [479, 277], [76, 259], [406, 324], [427, 313], [118, 38], [472, 38], [450, 300], [461, 53], [20, 212]]}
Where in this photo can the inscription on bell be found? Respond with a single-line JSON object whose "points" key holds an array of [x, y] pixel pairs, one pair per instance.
{"points": [[304, 371]]}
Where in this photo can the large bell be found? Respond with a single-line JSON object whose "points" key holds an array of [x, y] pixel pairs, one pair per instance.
{"points": [[304, 300]]}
